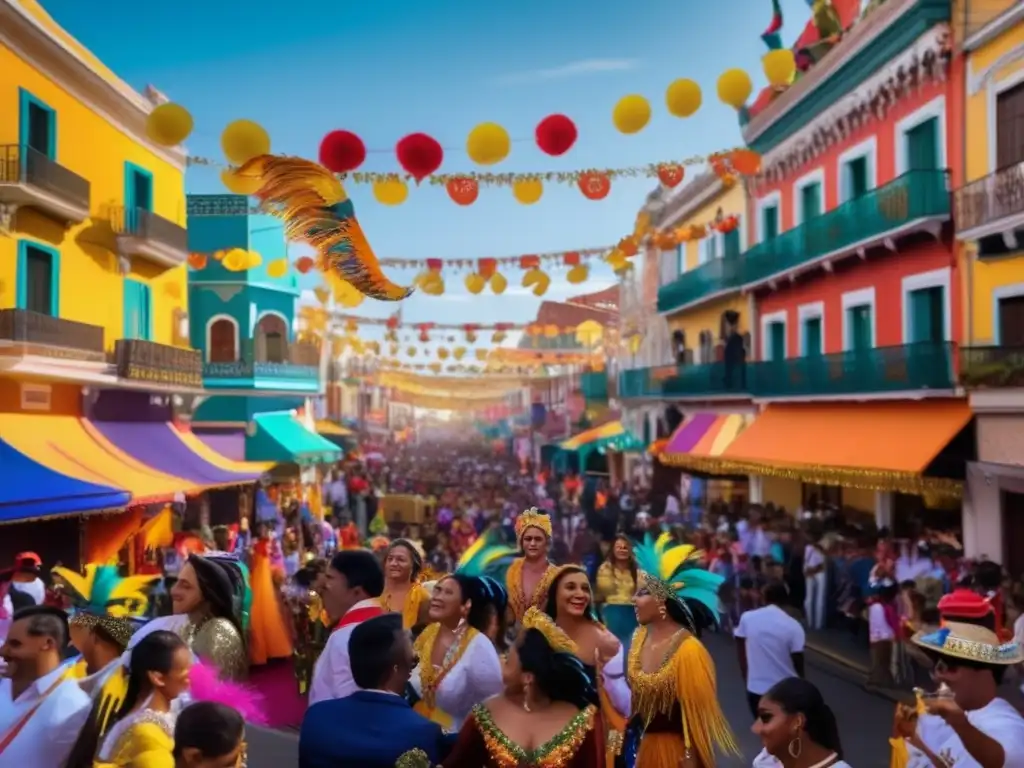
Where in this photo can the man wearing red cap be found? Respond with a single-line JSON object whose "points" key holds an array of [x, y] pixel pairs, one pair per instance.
{"points": [[25, 577]]}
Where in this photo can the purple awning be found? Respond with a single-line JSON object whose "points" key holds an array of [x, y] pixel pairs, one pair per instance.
{"points": [[229, 443], [690, 433], [157, 445]]}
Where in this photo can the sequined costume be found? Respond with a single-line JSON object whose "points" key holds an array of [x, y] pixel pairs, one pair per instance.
{"points": [[218, 641], [614, 592], [519, 602], [482, 743], [143, 739]]}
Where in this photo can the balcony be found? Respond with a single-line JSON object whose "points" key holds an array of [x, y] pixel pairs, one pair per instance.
{"points": [[904, 368], [992, 206], [906, 204], [992, 367], [594, 386], [717, 276], [143, 234], [161, 365], [294, 369], [32, 180], [24, 333], [712, 380]]}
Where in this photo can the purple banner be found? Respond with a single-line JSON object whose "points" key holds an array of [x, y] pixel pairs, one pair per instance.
{"points": [[690, 433]]}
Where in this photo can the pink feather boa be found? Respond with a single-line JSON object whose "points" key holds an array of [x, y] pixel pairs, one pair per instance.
{"points": [[206, 685]]}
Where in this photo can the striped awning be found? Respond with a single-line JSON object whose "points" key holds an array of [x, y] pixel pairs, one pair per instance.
{"points": [[701, 439]]}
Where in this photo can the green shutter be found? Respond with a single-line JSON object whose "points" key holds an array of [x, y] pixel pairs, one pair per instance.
{"points": [[923, 146], [856, 177], [680, 259], [927, 315], [138, 310], [810, 201], [777, 341], [812, 337], [731, 243], [769, 222], [859, 321]]}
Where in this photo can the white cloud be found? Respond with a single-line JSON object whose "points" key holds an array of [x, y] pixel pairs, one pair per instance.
{"points": [[572, 69]]}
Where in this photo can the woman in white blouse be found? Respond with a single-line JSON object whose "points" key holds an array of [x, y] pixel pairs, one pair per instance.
{"points": [[797, 728], [458, 665]]}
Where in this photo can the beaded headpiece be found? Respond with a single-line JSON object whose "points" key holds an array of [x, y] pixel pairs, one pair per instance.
{"points": [[120, 630], [673, 572], [533, 518], [534, 618], [960, 637]]}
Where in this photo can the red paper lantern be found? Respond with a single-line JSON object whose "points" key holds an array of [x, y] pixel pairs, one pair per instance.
{"points": [[595, 185], [342, 151], [419, 155], [671, 174], [304, 264], [556, 134], [463, 190]]}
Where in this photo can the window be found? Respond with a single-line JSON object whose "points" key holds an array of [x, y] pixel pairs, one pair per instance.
{"points": [[769, 222], [38, 126], [668, 267], [1011, 321], [707, 347], [222, 345], [708, 248], [731, 243], [138, 195], [40, 280], [138, 310], [923, 146], [680, 258], [776, 341], [271, 340], [1010, 127], [857, 177], [812, 338], [858, 321], [810, 201], [927, 314]]}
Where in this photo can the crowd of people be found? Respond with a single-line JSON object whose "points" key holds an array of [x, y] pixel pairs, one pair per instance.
{"points": [[529, 619]]}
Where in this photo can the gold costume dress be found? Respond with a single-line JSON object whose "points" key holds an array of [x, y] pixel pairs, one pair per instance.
{"points": [[518, 601], [218, 641], [144, 739], [414, 600], [482, 743], [675, 709], [614, 594]]}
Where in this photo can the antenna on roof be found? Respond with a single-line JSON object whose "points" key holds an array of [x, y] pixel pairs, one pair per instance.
{"points": [[155, 97]]}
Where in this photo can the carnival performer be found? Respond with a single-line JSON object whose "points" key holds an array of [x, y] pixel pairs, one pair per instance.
{"points": [[142, 732], [797, 728], [268, 633], [545, 716], [458, 664], [403, 592], [965, 723], [616, 585], [529, 576], [676, 719], [570, 604]]}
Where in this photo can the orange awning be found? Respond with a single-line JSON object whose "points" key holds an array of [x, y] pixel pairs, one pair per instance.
{"points": [[883, 446]]}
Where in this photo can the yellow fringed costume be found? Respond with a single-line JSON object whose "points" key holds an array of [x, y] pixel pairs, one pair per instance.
{"points": [[147, 742], [518, 601], [416, 598]]}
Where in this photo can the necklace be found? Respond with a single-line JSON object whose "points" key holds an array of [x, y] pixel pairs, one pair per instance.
{"points": [[827, 761]]}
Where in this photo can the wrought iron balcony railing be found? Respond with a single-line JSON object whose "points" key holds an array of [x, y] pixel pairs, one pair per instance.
{"points": [[992, 367], [994, 198], [52, 336], [149, 361], [146, 225], [20, 164]]}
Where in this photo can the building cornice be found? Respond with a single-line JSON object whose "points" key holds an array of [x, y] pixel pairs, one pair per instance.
{"points": [[868, 46], [114, 101], [694, 196], [1009, 18]]}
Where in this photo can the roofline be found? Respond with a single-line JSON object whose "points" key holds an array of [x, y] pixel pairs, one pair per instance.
{"points": [[695, 195]]}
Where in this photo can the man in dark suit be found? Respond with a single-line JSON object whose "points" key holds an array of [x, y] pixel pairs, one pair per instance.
{"points": [[374, 726]]}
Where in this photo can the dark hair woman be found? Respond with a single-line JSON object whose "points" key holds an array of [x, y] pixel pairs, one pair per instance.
{"points": [[546, 704], [158, 673], [209, 735], [797, 727], [616, 585], [403, 593]]}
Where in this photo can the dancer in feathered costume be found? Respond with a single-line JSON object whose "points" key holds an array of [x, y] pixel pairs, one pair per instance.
{"points": [[459, 665], [676, 717], [530, 576], [315, 209]]}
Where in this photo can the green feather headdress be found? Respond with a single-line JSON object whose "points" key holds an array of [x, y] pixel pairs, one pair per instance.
{"points": [[673, 572], [102, 591]]}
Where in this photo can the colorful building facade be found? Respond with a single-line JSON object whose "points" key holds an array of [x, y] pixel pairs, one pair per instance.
{"points": [[990, 230]]}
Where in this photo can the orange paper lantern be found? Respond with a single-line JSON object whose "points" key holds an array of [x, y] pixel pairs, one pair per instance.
{"points": [[671, 174], [728, 224], [628, 246], [746, 161], [304, 265], [197, 260], [463, 190], [595, 185]]}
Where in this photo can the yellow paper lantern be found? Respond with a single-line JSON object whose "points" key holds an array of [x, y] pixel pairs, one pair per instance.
{"points": [[390, 192], [239, 185], [498, 283], [252, 260], [277, 268], [527, 191], [779, 67], [235, 260], [442, 353], [631, 114], [322, 294], [734, 87], [459, 352], [578, 274], [411, 351], [488, 144], [475, 283], [243, 140], [168, 125], [683, 97], [481, 354]]}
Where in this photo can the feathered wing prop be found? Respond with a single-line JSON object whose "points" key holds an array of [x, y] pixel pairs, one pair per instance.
{"points": [[205, 685], [674, 572], [101, 590], [315, 209]]}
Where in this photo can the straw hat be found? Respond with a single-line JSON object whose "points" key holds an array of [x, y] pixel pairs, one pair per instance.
{"points": [[969, 642]]}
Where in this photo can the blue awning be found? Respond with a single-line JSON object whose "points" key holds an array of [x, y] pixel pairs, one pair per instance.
{"points": [[29, 491]]}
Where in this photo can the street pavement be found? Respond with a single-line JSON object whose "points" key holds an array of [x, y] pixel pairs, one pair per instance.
{"points": [[865, 720]]}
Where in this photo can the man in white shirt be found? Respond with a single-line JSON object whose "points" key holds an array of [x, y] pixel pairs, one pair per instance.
{"points": [[770, 645], [351, 594], [817, 582], [42, 709]]}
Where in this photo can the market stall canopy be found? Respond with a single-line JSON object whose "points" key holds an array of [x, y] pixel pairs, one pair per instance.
{"points": [[611, 436], [66, 445], [328, 428], [280, 437], [702, 438], [884, 446], [196, 444], [32, 491], [159, 445]]}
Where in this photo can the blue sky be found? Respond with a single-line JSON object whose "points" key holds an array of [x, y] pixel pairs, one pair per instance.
{"points": [[386, 68]]}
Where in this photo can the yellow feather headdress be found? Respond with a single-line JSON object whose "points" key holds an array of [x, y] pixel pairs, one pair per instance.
{"points": [[534, 618], [102, 591], [312, 203]]}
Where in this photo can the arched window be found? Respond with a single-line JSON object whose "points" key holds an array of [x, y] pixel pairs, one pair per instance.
{"points": [[271, 340], [222, 342], [707, 347]]}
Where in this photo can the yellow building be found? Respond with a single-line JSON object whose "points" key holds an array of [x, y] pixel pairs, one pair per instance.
{"points": [[92, 213], [990, 225], [701, 203]]}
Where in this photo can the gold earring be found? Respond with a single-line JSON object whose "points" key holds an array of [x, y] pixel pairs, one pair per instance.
{"points": [[796, 747], [662, 611], [526, 696]]}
